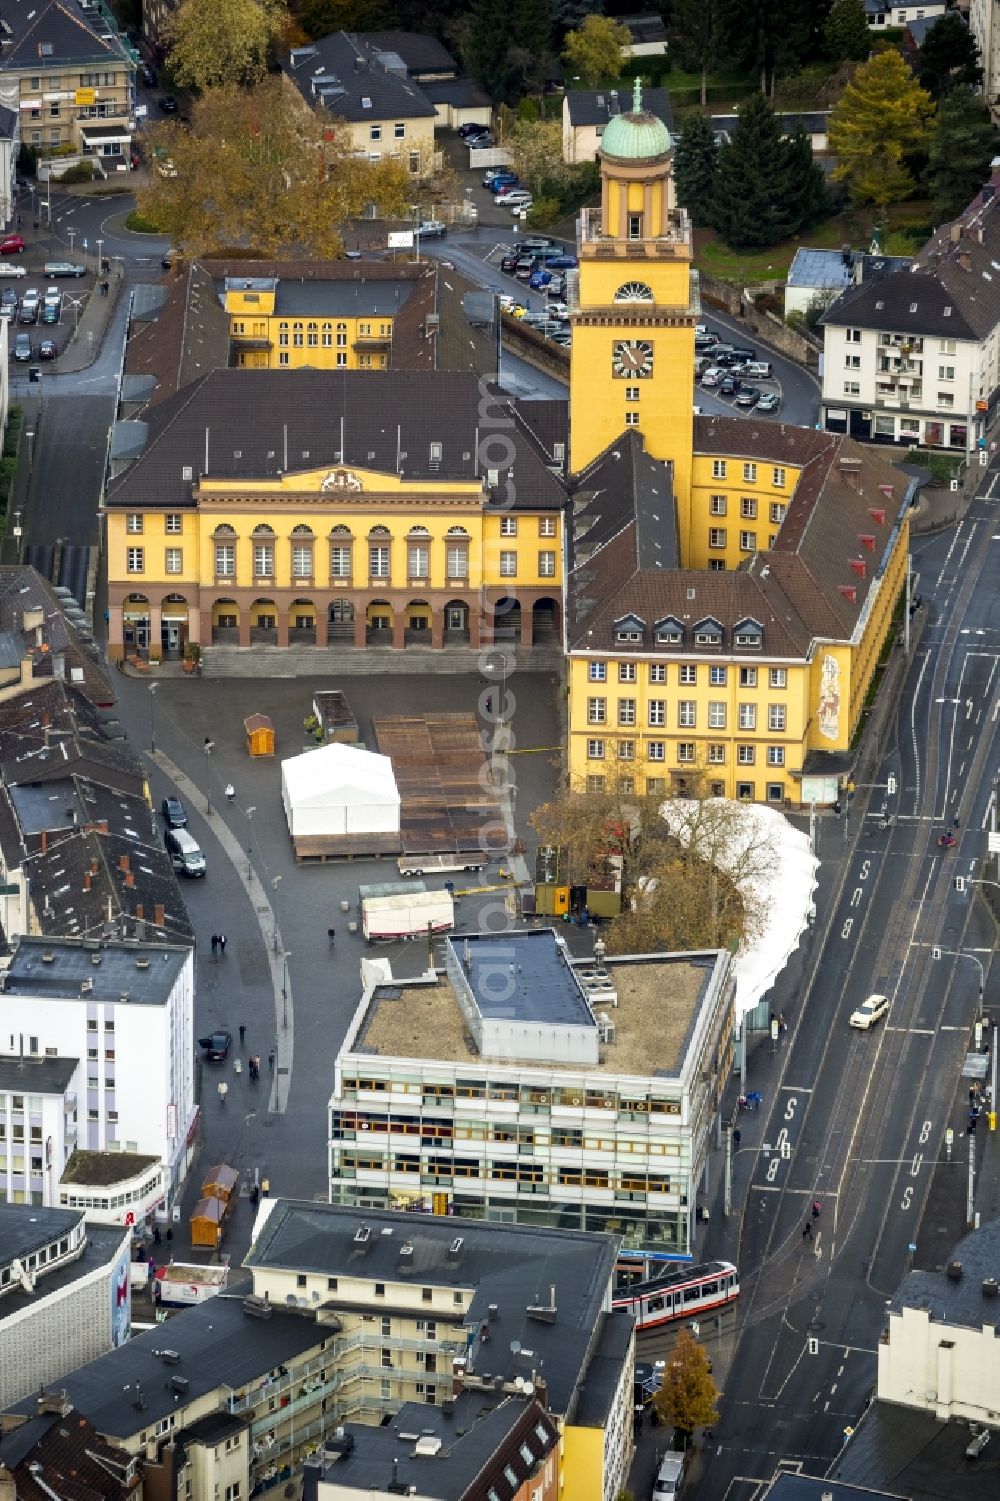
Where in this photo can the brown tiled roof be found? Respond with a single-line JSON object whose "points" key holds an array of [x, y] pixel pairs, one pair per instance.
{"points": [[814, 583], [73, 1462]]}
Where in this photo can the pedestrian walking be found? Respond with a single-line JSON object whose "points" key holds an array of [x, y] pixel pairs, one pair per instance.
{"points": [[156, 1234], [215, 950], [782, 1024], [230, 792], [265, 1187], [807, 1230], [237, 1066], [19, 221], [331, 934], [222, 944], [270, 1060], [256, 1065], [223, 1091], [815, 1209], [737, 1138], [243, 1033]]}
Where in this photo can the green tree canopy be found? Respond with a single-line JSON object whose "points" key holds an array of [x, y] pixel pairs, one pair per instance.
{"points": [[687, 1396], [507, 45], [261, 169], [594, 50], [949, 56], [696, 166], [846, 36], [963, 143], [769, 35], [766, 187], [211, 43], [881, 119], [319, 18]]}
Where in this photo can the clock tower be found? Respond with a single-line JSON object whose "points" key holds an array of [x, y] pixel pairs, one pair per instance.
{"points": [[636, 304]]}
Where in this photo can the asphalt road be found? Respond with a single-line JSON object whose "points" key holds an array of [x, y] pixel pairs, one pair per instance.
{"points": [[859, 1118]]}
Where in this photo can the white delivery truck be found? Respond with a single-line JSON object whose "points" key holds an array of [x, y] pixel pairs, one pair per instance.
{"points": [[389, 912], [182, 1284], [420, 865]]}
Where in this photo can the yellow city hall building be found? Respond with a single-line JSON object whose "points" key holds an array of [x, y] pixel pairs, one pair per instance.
{"points": [[732, 582], [334, 324], [290, 509]]}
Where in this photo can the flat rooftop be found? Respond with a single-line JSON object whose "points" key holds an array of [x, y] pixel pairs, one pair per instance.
{"points": [[527, 982], [142, 973], [658, 1003], [103, 1169], [103, 1247]]}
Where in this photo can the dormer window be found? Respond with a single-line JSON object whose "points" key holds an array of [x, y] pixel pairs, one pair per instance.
{"points": [[629, 629], [748, 635], [708, 632], [669, 632]]}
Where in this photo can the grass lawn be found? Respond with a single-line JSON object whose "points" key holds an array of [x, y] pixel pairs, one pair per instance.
{"points": [[852, 227]]}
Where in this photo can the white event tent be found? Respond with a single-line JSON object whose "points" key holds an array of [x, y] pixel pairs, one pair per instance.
{"points": [[337, 790]]}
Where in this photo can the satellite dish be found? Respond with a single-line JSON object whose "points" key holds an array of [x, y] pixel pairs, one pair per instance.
{"points": [[515, 1347]]}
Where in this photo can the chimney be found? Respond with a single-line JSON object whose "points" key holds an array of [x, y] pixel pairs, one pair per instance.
{"points": [[123, 862], [45, 842], [850, 472], [129, 879], [964, 260], [860, 567], [867, 541], [159, 914], [877, 515], [849, 592], [86, 881], [139, 912]]}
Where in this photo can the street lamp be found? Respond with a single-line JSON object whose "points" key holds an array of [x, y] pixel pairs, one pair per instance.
{"points": [[937, 953], [152, 728], [274, 911], [250, 813], [208, 748], [284, 991]]}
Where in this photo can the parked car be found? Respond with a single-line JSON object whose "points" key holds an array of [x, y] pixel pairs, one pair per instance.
{"points": [[564, 263], [216, 1048], [148, 75], [869, 1012], [498, 179], [769, 402], [518, 202], [539, 280], [174, 812], [744, 354], [8, 298], [12, 245], [432, 229], [22, 347], [51, 311], [47, 349], [469, 129], [8, 268], [28, 312], [729, 386], [747, 397], [712, 376], [505, 189], [558, 309], [533, 243], [63, 268], [168, 104], [725, 357]]}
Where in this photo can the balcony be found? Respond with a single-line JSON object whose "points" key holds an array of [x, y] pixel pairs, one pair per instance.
{"points": [[674, 244], [365, 342], [251, 341]]}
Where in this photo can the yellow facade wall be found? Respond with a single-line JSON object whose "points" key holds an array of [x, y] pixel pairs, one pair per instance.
{"points": [[737, 507], [178, 549], [269, 341], [583, 1464]]}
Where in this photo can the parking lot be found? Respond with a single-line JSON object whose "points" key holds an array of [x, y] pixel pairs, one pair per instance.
{"points": [[41, 308], [740, 375]]}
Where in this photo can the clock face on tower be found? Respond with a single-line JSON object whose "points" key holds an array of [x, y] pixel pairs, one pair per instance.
{"points": [[632, 358]]}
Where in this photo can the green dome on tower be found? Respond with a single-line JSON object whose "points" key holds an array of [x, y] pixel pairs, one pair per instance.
{"points": [[637, 136]]}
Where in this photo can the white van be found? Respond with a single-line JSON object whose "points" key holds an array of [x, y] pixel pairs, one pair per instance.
{"points": [[669, 1477], [185, 855], [758, 370]]}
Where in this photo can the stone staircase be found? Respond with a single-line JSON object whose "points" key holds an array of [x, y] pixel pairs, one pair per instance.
{"points": [[352, 661]]}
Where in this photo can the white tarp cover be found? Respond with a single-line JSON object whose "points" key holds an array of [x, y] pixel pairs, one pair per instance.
{"points": [[779, 881], [339, 789]]}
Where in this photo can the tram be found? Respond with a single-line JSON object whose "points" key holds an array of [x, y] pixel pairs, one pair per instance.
{"points": [[680, 1293]]}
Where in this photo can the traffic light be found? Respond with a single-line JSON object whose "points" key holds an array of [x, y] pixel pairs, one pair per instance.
{"points": [[959, 883], [890, 785]]}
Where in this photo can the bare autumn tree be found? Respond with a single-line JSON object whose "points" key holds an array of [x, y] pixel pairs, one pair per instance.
{"points": [[687, 1397], [259, 168], [694, 869]]}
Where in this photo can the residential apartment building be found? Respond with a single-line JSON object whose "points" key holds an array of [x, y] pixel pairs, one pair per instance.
{"points": [[447, 1312], [558, 1097], [124, 1013], [984, 23], [937, 1353], [53, 1458], [914, 357], [817, 277], [386, 114], [892, 14], [238, 1393], [70, 77], [10, 141], [65, 1296], [282, 507], [360, 1320]]}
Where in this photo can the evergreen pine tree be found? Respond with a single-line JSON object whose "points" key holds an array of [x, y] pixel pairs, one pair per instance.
{"points": [[963, 143], [696, 165], [846, 35], [753, 194], [698, 37], [807, 192], [507, 45], [768, 35], [949, 56]]}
